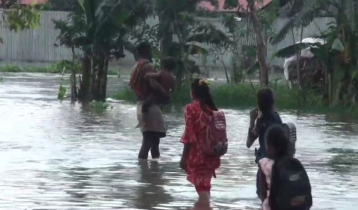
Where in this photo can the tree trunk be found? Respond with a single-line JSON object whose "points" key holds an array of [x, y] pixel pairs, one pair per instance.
{"points": [[98, 78], [73, 78], [165, 44], [261, 48], [94, 78], [225, 68], [166, 39], [103, 88], [84, 92]]}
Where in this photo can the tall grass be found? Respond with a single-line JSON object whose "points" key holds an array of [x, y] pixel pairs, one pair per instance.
{"points": [[241, 96]]}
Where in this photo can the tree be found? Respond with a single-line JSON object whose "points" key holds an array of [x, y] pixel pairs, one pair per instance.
{"points": [[19, 17], [339, 54], [60, 5], [100, 28], [180, 34], [261, 51]]}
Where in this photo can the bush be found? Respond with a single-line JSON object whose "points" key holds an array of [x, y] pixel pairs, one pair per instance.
{"points": [[99, 105], [244, 96]]}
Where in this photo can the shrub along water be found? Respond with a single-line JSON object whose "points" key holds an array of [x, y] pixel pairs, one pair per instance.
{"points": [[244, 96]]}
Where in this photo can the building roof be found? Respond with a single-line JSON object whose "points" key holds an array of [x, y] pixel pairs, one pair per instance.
{"points": [[242, 3]]}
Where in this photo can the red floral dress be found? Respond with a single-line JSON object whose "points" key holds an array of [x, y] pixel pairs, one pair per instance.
{"points": [[200, 168]]}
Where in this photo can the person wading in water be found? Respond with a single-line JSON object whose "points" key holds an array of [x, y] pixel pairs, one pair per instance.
{"points": [[260, 120], [154, 127]]}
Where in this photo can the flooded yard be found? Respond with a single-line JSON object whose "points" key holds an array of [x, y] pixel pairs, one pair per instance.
{"points": [[58, 155]]}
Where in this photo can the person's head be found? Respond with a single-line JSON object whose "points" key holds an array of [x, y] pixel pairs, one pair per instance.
{"points": [[145, 50], [169, 63], [265, 99], [200, 91], [277, 143]]}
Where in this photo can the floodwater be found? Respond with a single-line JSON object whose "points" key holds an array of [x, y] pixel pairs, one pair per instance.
{"points": [[56, 155]]}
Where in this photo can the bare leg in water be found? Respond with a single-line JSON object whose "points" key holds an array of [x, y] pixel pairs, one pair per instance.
{"points": [[154, 150], [150, 142], [204, 198]]}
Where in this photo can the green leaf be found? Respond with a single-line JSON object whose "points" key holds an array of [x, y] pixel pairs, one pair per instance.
{"points": [[338, 45], [231, 4], [82, 4], [309, 12]]}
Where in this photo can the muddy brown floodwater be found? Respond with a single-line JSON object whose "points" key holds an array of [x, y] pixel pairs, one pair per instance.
{"points": [[56, 155]]}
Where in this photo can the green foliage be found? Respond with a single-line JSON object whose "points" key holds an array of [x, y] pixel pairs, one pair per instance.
{"points": [[20, 17], [60, 5], [338, 55], [241, 95], [180, 34], [303, 13], [101, 29], [61, 92], [99, 105]]}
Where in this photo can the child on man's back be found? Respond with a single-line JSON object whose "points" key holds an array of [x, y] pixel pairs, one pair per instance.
{"points": [[166, 79]]}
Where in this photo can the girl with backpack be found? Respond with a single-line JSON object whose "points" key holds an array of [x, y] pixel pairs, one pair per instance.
{"points": [[204, 139], [284, 182]]}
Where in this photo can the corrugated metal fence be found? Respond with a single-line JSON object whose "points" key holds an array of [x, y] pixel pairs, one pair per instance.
{"points": [[37, 45]]}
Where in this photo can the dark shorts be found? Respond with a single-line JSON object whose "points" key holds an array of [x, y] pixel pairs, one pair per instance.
{"points": [[153, 135]]}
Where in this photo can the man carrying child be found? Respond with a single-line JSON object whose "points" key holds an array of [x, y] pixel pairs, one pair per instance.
{"points": [[150, 87]]}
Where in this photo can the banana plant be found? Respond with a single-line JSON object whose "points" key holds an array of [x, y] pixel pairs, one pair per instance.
{"points": [[100, 28]]}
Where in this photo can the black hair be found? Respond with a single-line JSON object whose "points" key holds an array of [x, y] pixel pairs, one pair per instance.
{"points": [[276, 137], [169, 63], [143, 47], [201, 92], [265, 99]]}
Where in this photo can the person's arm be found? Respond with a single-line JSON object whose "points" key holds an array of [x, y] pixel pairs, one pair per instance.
{"points": [[184, 156], [154, 75], [189, 137], [262, 185], [148, 69], [174, 86], [251, 136]]}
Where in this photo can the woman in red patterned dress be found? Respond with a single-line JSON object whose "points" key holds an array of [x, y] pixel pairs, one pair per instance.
{"points": [[199, 167]]}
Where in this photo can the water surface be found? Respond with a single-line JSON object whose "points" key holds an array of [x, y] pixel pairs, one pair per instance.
{"points": [[58, 155]]}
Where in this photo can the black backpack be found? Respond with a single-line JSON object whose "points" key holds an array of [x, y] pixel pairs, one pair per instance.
{"points": [[290, 130], [291, 134], [290, 186]]}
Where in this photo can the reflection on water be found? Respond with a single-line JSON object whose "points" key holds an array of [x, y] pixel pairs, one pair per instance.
{"points": [[151, 192], [61, 156]]}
